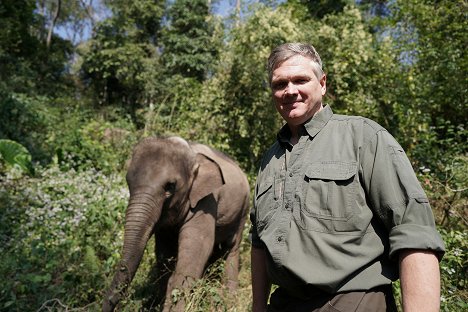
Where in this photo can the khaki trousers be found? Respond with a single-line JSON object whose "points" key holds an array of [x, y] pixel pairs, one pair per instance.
{"points": [[379, 299]]}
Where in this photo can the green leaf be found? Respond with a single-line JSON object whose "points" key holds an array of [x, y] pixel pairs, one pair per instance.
{"points": [[14, 153]]}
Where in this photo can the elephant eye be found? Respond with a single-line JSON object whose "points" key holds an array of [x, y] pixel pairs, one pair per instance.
{"points": [[169, 188]]}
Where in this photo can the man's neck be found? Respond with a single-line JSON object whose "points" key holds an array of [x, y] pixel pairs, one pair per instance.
{"points": [[295, 134]]}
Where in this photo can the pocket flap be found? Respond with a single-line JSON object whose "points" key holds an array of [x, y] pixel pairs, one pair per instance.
{"points": [[264, 186], [332, 170], [422, 199]]}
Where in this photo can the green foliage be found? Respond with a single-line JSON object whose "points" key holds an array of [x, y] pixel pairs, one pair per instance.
{"points": [[189, 48], [454, 296], [178, 112], [448, 191], [17, 42], [73, 17], [93, 141], [113, 65], [123, 47], [430, 41], [60, 236], [48, 131], [318, 8], [140, 20], [438, 63], [26, 64], [27, 120], [15, 154]]}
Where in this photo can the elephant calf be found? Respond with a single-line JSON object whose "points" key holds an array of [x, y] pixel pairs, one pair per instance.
{"points": [[195, 200]]}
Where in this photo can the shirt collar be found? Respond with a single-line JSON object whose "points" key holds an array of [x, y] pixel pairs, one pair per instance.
{"points": [[311, 127], [316, 123]]}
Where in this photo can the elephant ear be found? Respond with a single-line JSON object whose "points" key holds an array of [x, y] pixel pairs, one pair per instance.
{"points": [[208, 179]]}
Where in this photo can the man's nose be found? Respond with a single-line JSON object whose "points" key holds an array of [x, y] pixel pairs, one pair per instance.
{"points": [[291, 89]]}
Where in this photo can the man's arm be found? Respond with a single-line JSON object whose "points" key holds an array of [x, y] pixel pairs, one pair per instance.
{"points": [[420, 280], [260, 283]]}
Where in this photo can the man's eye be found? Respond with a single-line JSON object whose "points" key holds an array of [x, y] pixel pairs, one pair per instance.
{"points": [[301, 81], [279, 85]]}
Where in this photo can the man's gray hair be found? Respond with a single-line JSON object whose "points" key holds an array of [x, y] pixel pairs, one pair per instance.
{"points": [[285, 51]]}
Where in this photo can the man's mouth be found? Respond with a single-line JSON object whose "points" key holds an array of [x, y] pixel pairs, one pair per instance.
{"points": [[292, 103]]}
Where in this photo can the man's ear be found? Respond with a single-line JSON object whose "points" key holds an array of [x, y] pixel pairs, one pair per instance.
{"points": [[208, 179], [323, 83]]}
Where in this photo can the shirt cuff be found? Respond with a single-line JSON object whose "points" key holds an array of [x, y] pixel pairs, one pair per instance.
{"points": [[413, 236]]}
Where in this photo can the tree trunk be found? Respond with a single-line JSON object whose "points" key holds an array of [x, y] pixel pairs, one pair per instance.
{"points": [[54, 21]]}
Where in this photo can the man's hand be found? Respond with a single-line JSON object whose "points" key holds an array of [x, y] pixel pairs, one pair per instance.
{"points": [[420, 280]]}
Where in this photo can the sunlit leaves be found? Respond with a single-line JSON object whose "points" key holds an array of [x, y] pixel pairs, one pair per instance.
{"points": [[187, 40], [60, 234], [15, 154]]}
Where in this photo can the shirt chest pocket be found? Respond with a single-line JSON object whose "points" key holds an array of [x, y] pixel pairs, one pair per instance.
{"points": [[266, 201], [328, 195]]}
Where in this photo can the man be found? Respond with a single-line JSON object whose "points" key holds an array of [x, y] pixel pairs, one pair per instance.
{"points": [[338, 211]]}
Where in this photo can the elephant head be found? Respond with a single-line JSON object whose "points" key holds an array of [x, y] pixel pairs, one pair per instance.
{"points": [[163, 179]]}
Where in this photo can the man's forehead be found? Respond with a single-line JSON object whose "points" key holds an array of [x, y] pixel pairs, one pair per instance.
{"points": [[287, 70]]}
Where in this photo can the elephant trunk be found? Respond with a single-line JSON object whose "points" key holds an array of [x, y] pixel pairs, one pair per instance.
{"points": [[142, 214]]}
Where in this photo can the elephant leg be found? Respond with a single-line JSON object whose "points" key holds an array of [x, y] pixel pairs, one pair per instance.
{"points": [[232, 262], [196, 240]]}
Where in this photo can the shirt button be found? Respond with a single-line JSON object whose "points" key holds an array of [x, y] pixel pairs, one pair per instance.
{"points": [[286, 206], [291, 174], [279, 238]]}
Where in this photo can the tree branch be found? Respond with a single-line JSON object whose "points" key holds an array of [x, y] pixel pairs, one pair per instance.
{"points": [[54, 21]]}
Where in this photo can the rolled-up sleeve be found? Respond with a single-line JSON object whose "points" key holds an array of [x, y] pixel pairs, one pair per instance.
{"points": [[397, 197]]}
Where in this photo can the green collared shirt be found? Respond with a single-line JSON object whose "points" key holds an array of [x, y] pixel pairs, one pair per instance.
{"points": [[333, 210]]}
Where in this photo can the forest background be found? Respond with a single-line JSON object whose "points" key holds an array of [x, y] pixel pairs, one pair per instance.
{"points": [[81, 82]]}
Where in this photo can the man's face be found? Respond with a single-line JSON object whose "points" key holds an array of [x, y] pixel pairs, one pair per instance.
{"points": [[297, 92]]}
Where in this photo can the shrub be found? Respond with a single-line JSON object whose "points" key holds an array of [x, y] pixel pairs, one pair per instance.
{"points": [[60, 234], [93, 141], [454, 296], [27, 120]]}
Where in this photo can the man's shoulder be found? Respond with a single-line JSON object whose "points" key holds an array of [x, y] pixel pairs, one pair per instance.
{"points": [[365, 123]]}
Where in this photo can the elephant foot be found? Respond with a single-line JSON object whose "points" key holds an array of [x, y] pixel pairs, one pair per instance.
{"points": [[176, 302], [178, 290]]}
